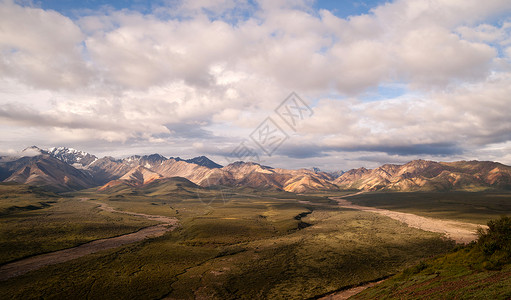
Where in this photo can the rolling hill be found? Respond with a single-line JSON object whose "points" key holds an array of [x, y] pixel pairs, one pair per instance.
{"points": [[480, 270]]}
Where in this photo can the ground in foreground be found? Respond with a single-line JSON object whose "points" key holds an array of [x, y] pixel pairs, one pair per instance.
{"points": [[250, 245]]}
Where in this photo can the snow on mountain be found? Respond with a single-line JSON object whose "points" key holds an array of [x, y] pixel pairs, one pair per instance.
{"points": [[76, 158], [148, 161], [33, 166], [45, 170]]}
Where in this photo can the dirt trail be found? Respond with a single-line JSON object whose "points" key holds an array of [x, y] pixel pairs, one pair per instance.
{"points": [[345, 294], [33, 263], [461, 232]]}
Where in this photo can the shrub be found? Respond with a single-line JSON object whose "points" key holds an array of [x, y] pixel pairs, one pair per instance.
{"points": [[495, 242]]}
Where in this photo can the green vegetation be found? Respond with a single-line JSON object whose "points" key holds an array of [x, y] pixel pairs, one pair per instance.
{"points": [[33, 221], [248, 244], [243, 243], [16, 198], [227, 258], [481, 270], [476, 208], [495, 243]]}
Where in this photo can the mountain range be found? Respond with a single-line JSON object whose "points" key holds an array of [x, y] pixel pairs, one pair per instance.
{"points": [[67, 169], [422, 175]]}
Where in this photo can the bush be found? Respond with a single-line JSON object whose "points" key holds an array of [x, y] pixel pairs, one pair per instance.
{"points": [[495, 242]]}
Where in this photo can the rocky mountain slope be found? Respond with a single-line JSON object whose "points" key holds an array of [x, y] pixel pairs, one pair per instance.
{"points": [[45, 170], [204, 161], [421, 175], [76, 158], [68, 169]]}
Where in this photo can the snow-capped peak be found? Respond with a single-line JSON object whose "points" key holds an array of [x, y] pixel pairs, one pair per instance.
{"points": [[72, 156]]}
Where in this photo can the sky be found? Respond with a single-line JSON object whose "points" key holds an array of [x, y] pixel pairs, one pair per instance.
{"points": [[292, 84]]}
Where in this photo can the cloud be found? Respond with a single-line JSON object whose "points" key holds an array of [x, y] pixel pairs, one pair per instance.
{"points": [[189, 131], [447, 123], [440, 149], [434, 56], [301, 151], [288, 44], [41, 48], [485, 33], [193, 71]]}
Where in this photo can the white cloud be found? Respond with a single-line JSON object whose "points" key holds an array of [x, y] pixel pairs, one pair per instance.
{"points": [[434, 56], [461, 120], [482, 33], [122, 77], [40, 48]]}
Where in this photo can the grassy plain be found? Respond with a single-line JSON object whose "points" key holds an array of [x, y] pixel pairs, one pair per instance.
{"points": [[238, 244], [470, 207], [33, 221]]}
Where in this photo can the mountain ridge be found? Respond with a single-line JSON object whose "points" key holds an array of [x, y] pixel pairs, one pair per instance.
{"points": [[69, 169], [423, 175], [45, 170]]}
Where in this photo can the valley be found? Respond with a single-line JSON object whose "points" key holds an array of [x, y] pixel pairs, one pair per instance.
{"points": [[460, 232], [23, 266], [218, 248], [255, 149], [143, 232]]}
